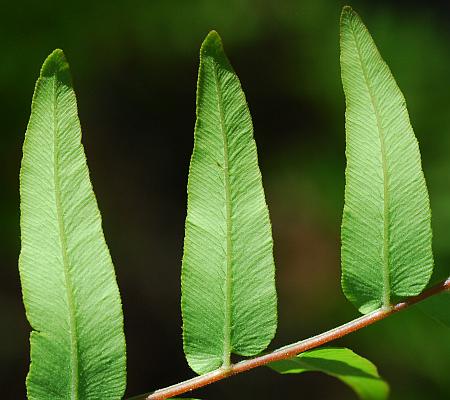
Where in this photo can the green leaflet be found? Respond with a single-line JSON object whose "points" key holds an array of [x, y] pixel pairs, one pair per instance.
{"points": [[68, 282], [228, 289], [386, 231], [357, 372]]}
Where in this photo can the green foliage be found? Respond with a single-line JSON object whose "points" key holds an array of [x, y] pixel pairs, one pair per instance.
{"points": [[386, 231], [229, 302], [228, 289], [68, 282], [357, 372]]}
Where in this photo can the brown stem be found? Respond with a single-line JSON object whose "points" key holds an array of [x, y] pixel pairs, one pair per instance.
{"points": [[291, 350]]}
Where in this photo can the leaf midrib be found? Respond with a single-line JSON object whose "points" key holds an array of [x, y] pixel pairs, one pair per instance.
{"points": [[228, 272], [61, 232], [386, 301]]}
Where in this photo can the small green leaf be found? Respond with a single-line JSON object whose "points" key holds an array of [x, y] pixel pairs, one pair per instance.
{"points": [[386, 229], [438, 307], [228, 288], [357, 372], [69, 287]]}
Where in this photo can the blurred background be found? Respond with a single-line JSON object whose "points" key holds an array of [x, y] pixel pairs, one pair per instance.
{"points": [[135, 66]]}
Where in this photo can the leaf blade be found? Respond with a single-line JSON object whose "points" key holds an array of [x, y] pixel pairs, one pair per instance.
{"points": [[228, 288], [68, 282], [355, 371], [386, 223]]}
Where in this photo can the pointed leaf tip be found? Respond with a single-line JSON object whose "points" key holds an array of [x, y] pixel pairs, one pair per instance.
{"points": [[347, 10], [54, 63], [213, 34], [213, 37], [348, 15], [212, 46]]}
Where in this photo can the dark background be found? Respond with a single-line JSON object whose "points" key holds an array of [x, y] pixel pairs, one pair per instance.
{"points": [[135, 67]]}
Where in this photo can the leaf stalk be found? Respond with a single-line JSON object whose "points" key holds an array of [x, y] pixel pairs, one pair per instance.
{"points": [[293, 349]]}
